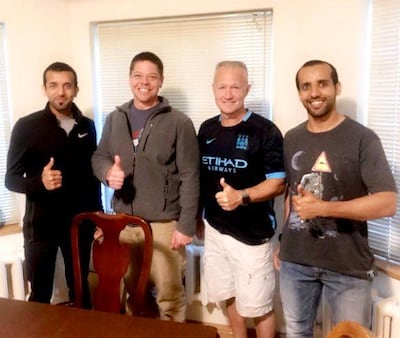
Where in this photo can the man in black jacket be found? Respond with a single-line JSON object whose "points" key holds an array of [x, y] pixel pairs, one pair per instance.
{"points": [[49, 161]]}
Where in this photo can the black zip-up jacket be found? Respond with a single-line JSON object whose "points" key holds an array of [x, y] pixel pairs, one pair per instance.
{"points": [[35, 139]]}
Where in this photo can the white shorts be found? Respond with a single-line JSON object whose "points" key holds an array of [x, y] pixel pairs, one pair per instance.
{"points": [[234, 269]]}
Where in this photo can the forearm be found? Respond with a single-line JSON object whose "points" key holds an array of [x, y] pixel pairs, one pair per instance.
{"points": [[15, 183], [103, 158], [101, 164], [266, 190], [364, 208], [188, 164], [16, 179], [286, 206], [189, 193]]}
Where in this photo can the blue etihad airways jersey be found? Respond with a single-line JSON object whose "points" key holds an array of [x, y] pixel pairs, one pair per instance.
{"points": [[245, 155]]}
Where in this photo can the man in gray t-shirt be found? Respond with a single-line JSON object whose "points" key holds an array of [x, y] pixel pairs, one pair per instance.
{"points": [[338, 178]]}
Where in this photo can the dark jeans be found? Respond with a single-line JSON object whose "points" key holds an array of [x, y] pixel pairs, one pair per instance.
{"points": [[40, 257]]}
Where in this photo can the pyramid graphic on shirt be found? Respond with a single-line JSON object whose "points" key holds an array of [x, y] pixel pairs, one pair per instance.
{"points": [[322, 164]]}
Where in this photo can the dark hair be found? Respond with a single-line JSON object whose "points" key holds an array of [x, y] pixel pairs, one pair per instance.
{"points": [[60, 67], [147, 56], [334, 74]]}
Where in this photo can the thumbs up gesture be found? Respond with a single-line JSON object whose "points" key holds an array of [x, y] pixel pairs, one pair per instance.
{"points": [[52, 179], [306, 204], [229, 198], [115, 175]]}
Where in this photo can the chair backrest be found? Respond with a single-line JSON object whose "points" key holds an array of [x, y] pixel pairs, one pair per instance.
{"points": [[111, 260], [349, 329]]}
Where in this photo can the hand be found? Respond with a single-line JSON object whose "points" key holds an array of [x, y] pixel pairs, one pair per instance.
{"points": [[52, 179], [277, 261], [229, 198], [115, 175], [306, 204], [98, 235], [179, 240]]}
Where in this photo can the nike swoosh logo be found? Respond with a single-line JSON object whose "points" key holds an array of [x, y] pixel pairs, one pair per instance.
{"points": [[210, 140], [82, 135]]}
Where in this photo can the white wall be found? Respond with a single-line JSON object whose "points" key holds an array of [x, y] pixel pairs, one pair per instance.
{"points": [[42, 31]]}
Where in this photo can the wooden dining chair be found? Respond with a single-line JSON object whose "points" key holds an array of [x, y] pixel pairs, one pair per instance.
{"points": [[111, 260], [349, 329]]}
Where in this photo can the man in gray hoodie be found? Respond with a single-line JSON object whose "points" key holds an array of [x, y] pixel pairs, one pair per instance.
{"points": [[149, 155]]}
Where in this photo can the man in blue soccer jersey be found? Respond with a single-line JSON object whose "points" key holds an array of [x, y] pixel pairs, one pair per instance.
{"points": [[241, 172]]}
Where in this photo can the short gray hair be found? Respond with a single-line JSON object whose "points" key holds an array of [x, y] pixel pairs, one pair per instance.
{"points": [[233, 64]]}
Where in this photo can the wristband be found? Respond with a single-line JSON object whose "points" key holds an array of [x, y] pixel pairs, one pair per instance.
{"points": [[245, 197]]}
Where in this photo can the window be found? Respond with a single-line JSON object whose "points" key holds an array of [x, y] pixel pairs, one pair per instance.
{"points": [[384, 112], [190, 47], [8, 202]]}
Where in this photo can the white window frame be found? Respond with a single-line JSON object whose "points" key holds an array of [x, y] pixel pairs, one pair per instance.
{"points": [[8, 199], [383, 112]]}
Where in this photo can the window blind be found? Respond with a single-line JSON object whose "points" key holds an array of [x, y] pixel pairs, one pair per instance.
{"points": [[8, 202], [190, 47], [384, 112]]}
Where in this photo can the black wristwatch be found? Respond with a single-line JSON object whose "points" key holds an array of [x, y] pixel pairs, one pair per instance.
{"points": [[245, 197]]}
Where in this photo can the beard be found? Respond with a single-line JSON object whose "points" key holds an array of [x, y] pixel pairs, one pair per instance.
{"points": [[320, 113]]}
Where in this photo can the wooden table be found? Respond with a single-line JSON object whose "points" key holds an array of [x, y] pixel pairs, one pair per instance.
{"points": [[34, 320]]}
